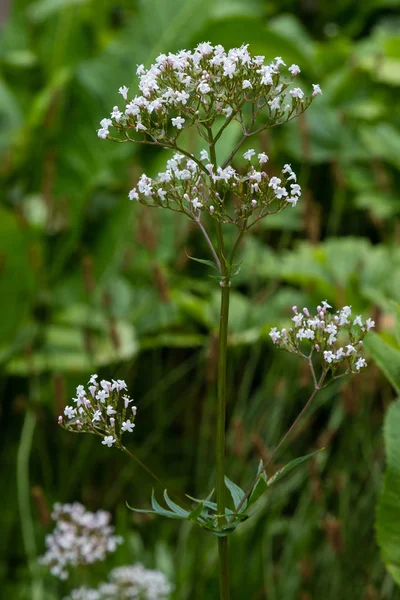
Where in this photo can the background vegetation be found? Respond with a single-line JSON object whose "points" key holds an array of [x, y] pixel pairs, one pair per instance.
{"points": [[92, 283]]}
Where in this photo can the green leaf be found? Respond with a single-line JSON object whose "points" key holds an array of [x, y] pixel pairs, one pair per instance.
{"points": [[260, 487], [209, 263], [160, 510], [386, 357], [388, 522], [291, 465], [174, 507], [236, 492], [196, 512]]}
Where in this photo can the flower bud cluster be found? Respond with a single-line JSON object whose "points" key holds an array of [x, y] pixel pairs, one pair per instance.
{"points": [[80, 537], [327, 334], [193, 185], [188, 88], [128, 583], [102, 409]]}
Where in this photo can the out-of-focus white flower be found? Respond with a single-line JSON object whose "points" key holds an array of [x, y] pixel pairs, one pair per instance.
{"points": [[80, 537]]}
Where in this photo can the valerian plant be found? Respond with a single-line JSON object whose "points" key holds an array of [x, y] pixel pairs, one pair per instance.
{"points": [[208, 90]]}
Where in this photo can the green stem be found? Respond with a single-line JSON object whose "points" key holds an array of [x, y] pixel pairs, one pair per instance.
{"points": [[223, 568], [24, 504], [220, 446]]}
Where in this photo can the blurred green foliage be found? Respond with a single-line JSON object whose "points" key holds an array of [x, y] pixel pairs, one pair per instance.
{"points": [[92, 282]]}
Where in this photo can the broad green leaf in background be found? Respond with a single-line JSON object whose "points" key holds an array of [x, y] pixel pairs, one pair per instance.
{"points": [[387, 520]]}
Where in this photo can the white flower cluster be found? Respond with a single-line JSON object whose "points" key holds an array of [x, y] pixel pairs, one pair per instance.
{"points": [[189, 185], [324, 331], [128, 583], [103, 409], [185, 88], [80, 537]]}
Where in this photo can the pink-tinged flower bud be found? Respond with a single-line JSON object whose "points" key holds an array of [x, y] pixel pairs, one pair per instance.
{"points": [[306, 312], [360, 343], [319, 308], [216, 193], [284, 332], [317, 347], [134, 410], [195, 190], [212, 210], [294, 309], [112, 421], [336, 319], [321, 314], [254, 203], [60, 420]]}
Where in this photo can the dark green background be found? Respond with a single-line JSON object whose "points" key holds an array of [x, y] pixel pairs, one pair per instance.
{"points": [[90, 282]]}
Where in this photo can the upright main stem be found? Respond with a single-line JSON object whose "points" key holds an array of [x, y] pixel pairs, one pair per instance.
{"points": [[220, 447]]}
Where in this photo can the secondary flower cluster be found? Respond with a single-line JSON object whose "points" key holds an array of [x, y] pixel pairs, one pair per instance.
{"points": [[80, 537], [191, 185], [327, 334], [188, 88], [127, 583], [103, 409]]}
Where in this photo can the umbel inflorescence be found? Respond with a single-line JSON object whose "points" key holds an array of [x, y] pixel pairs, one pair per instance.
{"points": [[208, 89], [80, 538], [104, 409], [127, 583], [336, 337]]}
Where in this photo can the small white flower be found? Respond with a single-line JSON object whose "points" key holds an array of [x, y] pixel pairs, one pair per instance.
{"points": [[254, 203], [329, 356], [324, 302], [116, 114], [178, 122], [246, 84], [127, 426], [92, 379], [274, 182], [103, 133], [316, 89], [369, 324], [280, 192], [298, 320], [204, 88], [297, 93], [123, 90], [96, 416], [133, 195], [110, 411], [70, 412], [274, 104], [204, 155], [361, 362], [196, 203], [350, 350], [262, 158], [340, 354], [294, 69], [295, 189], [358, 321], [108, 441], [249, 154], [275, 335], [102, 395], [293, 201], [227, 111]]}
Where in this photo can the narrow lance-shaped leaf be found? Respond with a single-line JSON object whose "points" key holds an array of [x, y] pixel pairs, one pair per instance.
{"points": [[291, 465], [236, 492], [175, 507]]}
